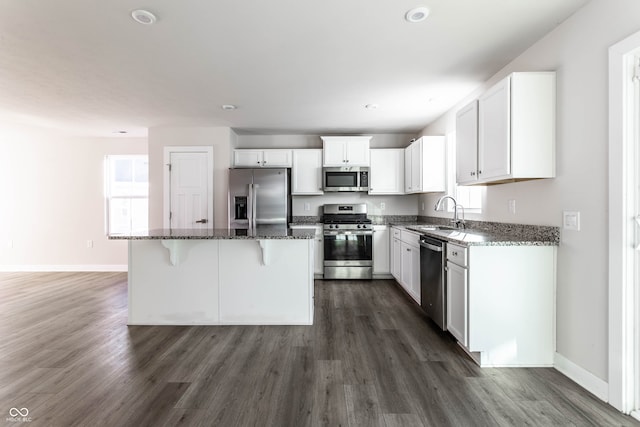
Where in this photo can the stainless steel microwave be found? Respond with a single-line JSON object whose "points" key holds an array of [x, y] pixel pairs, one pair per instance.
{"points": [[345, 178]]}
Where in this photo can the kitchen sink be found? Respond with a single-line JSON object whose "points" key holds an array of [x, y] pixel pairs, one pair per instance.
{"points": [[433, 227]]}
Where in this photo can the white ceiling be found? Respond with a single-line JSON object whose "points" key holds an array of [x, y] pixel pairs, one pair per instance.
{"points": [[291, 66]]}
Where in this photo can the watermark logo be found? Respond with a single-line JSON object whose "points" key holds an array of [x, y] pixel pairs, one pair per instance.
{"points": [[18, 415]]}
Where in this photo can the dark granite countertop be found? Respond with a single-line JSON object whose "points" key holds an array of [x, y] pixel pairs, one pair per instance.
{"points": [[262, 232], [491, 235]]}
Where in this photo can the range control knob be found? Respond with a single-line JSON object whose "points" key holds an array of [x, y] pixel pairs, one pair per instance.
{"points": [[359, 226]]}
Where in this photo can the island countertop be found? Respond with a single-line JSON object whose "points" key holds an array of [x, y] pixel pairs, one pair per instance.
{"points": [[261, 232]]}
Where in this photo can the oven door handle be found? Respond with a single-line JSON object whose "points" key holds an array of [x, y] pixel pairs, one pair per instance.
{"points": [[356, 233]]}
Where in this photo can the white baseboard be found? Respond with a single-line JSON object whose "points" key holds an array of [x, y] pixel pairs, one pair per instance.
{"points": [[584, 378], [57, 268], [636, 415]]}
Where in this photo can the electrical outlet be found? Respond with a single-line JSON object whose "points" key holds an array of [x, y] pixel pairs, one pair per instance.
{"points": [[89, 243], [382, 206], [307, 206], [512, 206]]}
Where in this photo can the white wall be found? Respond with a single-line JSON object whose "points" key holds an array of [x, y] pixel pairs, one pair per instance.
{"points": [[577, 50], [52, 195], [222, 139], [394, 205]]}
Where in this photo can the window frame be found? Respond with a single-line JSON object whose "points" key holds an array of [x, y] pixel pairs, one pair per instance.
{"points": [[108, 190]]}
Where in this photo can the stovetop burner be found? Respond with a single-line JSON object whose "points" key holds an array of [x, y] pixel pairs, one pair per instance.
{"points": [[345, 214]]}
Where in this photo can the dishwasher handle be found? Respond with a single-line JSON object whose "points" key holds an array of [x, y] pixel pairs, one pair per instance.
{"points": [[430, 246]]}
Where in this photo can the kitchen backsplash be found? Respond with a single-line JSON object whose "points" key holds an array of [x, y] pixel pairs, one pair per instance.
{"points": [[376, 205]]}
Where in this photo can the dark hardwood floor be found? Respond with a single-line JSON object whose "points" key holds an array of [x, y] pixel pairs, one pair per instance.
{"points": [[370, 359]]}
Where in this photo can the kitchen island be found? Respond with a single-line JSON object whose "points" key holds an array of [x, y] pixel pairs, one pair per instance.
{"points": [[220, 276]]}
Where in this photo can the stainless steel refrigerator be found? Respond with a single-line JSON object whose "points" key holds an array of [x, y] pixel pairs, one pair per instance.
{"points": [[259, 197]]}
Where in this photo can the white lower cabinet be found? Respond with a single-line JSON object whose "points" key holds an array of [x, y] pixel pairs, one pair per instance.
{"points": [[405, 260], [411, 270], [318, 254], [394, 259], [457, 302], [381, 250], [501, 306]]}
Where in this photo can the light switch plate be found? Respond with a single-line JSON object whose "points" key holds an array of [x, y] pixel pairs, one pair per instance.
{"points": [[571, 220]]}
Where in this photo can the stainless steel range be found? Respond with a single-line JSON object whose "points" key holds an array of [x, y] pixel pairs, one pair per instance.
{"points": [[348, 242]]}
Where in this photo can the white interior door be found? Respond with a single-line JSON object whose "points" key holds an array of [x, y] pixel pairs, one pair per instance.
{"points": [[634, 316], [189, 188], [624, 230]]}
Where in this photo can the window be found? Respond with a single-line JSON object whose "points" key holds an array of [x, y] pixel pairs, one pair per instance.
{"points": [[126, 193], [470, 197]]}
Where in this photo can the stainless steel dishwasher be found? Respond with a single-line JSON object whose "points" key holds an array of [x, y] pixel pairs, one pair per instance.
{"points": [[433, 295]]}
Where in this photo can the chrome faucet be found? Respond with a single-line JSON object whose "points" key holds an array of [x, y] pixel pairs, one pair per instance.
{"points": [[457, 222]]}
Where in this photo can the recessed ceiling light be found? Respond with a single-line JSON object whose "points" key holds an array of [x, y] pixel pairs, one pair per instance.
{"points": [[144, 17], [371, 106], [229, 107], [417, 14]]}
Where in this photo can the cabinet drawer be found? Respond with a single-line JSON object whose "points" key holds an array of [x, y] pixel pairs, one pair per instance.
{"points": [[395, 232], [457, 254], [410, 237]]}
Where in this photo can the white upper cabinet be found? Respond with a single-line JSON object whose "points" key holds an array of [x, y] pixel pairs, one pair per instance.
{"points": [[467, 144], [346, 150], [494, 151], [425, 165], [386, 171], [273, 158], [516, 131], [306, 173]]}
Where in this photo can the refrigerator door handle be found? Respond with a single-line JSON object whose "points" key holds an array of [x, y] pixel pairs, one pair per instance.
{"points": [[250, 206], [254, 199]]}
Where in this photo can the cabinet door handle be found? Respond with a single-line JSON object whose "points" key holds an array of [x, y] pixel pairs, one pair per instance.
{"points": [[479, 172], [408, 250], [473, 173]]}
